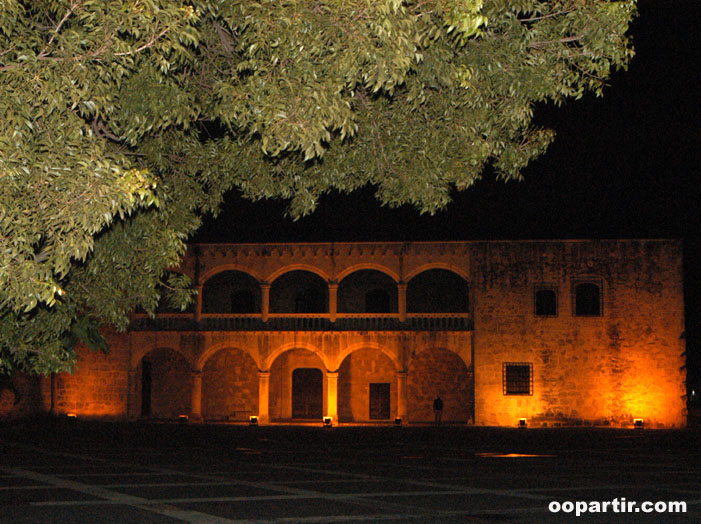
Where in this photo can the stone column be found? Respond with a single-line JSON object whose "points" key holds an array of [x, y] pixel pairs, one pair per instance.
{"points": [[265, 301], [402, 395], [333, 301], [332, 396], [198, 303], [263, 396], [196, 402], [401, 301]]}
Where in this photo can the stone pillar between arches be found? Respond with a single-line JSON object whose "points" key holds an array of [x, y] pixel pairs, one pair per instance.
{"points": [[401, 301], [332, 396], [196, 399], [333, 301], [263, 397], [402, 396], [198, 303], [265, 301]]}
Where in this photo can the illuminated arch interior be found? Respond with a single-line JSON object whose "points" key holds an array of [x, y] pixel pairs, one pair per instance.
{"points": [[367, 291], [438, 291], [231, 292]]}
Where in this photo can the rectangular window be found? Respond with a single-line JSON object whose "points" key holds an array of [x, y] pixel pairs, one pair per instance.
{"points": [[587, 299], [545, 301], [518, 378]]}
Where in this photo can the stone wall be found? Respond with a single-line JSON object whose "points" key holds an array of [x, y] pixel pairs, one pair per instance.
{"points": [[23, 395], [357, 372], [603, 370], [99, 384], [229, 386], [171, 384], [435, 372]]}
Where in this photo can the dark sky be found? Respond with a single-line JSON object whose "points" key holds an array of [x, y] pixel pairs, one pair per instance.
{"points": [[622, 166]]}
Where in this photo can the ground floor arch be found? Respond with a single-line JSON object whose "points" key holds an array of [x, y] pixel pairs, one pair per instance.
{"points": [[296, 394], [229, 386], [367, 387], [163, 384], [440, 372]]}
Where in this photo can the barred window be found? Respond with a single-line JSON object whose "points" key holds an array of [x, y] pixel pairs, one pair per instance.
{"points": [[545, 302], [518, 378]]}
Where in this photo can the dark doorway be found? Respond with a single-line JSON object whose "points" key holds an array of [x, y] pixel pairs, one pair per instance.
{"points": [[145, 389], [379, 401], [307, 393]]}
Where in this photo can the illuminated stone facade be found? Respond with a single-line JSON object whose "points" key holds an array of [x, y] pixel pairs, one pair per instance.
{"points": [[556, 332]]}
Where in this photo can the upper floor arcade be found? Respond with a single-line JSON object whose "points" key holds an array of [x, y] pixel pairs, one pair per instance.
{"points": [[332, 286]]}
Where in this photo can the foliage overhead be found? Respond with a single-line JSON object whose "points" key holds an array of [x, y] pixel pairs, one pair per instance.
{"points": [[124, 120]]}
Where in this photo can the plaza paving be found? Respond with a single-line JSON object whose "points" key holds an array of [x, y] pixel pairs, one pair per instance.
{"points": [[82, 472]]}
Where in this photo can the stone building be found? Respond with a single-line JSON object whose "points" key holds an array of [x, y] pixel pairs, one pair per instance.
{"points": [[581, 332]]}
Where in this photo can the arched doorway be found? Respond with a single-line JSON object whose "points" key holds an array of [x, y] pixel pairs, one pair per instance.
{"points": [[307, 393]]}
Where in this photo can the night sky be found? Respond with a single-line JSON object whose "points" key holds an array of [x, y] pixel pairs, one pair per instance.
{"points": [[622, 166]]}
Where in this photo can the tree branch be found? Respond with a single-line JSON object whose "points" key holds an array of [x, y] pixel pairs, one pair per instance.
{"points": [[44, 52], [565, 40], [536, 18], [145, 46]]}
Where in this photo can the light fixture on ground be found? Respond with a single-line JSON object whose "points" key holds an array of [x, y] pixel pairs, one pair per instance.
{"points": [[397, 421], [328, 421], [638, 423], [183, 418], [253, 420], [522, 423]]}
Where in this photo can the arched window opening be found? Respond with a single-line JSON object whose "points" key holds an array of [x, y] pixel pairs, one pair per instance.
{"points": [[232, 292], [299, 292], [438, 291], [243, 301], [367, 291], [310, 300], [377, 301], [587, 299]]}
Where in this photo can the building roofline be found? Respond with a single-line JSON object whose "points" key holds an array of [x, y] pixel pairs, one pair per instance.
{"points": [[433, 242]]}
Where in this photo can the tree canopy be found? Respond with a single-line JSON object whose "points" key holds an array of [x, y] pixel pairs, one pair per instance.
{"points": [[123, 121]]}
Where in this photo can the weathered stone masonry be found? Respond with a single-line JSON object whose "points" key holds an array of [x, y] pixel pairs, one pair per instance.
{"points": [[378, 330]]}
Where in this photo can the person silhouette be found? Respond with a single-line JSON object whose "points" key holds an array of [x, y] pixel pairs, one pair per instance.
{"points": [[438, 410]]}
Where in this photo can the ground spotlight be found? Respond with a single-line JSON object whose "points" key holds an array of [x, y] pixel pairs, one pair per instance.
{"points": [[253, 420], [183, 419], [638, 423], [397, 421], [328, 421], [522, 423]]}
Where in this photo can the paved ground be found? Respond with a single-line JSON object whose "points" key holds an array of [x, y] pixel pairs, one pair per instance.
{"points": [[80, 472]]}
